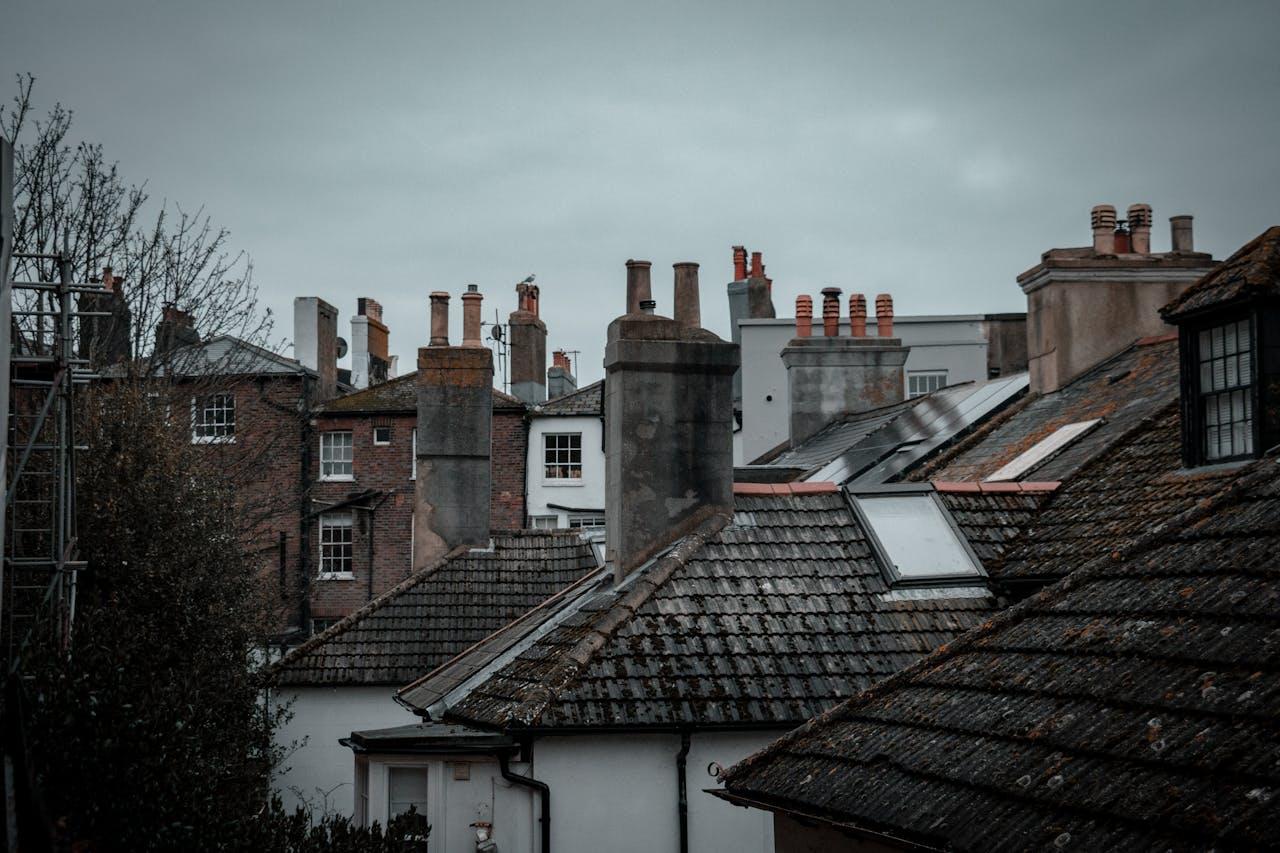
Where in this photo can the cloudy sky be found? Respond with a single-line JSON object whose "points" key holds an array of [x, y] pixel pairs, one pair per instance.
{"points": [[931, 150]]}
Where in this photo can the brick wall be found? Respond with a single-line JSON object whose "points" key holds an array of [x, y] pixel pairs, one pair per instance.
{"points": [[510, 455]]}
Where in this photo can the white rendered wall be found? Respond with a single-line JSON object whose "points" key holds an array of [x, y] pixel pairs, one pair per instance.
{"points": [[587, 493], [955, 343], [320, 772]]}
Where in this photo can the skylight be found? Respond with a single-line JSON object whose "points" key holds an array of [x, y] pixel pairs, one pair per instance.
{"points": [[915, 539], [1042, 450]]}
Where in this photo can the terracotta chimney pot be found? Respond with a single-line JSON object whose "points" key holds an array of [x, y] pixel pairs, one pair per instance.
{"points": [[1103, 220], [830, 311], [804, 316], [757, 264], [857, 315], [471, 316], [1140, 228], [439, 319], [639, 288], [884, 315], [739, 263], [687, 309]]}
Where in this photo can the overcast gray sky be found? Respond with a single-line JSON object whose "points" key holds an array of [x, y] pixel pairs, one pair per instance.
{"points": [[931, 150]]}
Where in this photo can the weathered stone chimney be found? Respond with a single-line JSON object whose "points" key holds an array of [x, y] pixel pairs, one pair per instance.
{"points": [[528, 346], [669, 432], [176, 329], [832, 376], [1086, 304], [560, 378], [107, 340], [455, 424], [315, 341], [370, 361], [1180, 234]]}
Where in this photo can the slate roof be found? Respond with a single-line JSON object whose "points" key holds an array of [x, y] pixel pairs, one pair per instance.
{"points": [[1123, 391], [992, 522], [761, 621], [398, 395], [1252, 271], [1133, 706], [837, 437], [440, 611], [587, 400]]}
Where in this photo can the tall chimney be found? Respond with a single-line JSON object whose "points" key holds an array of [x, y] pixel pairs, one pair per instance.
{"points": [[688, 307], [750, 297], [669, 433], [528, 346], [455, 423], [1140, 228], [560, 378], [107, 340], [857, 315], [1103, 220], [739, 263], [804, 315], [370, 361], [315, 342], [1180, 234], [830, 311], [757, 264], [832, 376], [639, 288], [884, 315]]}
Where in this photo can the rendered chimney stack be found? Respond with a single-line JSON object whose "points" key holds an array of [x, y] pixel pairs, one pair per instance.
{"points": [[1180, 234], [688, 307], [1103, 219], [315, 341], [669, 432], [439, 319], [739, 263], [639, 288], [370, 360], [1140, 228], [455, 421], [528, 353], [804, 316], [884, 315], [560, 378], [830, 311], [857, 315]]}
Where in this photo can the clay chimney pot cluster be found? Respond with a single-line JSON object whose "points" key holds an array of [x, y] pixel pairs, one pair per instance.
{"points": [[857, 315], [804, 316], [884, 315], [439, 319], [561, 359]]}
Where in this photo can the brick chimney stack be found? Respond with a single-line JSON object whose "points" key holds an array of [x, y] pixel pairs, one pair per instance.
{"points": [[370, 359], [857, 315], [107, 340], [833, 376], [669, 431], [528, 346], [455, 423]]}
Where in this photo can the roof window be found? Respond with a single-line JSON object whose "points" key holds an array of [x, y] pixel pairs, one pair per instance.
{"points": [[1043, 450], [915, 539]]}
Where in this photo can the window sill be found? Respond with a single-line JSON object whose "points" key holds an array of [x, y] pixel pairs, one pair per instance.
{"points": [[349, 478], [564, 482], [213, 439], [336, 576]]}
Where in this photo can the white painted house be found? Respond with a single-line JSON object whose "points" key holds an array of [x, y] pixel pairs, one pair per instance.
{"points": [[565, 471]]}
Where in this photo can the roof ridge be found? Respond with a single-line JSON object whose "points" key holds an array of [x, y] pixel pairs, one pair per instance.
{"points": [[1018, 612], [575, 660], [347, 622]]}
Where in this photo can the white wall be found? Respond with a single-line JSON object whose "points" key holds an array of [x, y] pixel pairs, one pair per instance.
{"points": [[955, 343], [587, 493], [319, 771]]}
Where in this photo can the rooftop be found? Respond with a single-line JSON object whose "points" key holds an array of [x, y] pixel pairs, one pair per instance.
{"points": [[587, 400], [1252, 271], [397, 395]]}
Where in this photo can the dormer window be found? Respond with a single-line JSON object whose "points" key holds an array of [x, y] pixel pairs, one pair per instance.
{"points": [[914, 538], [1225, 390]]}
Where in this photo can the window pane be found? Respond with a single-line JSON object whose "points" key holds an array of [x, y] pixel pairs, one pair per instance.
{"points": [[406, 787], [916, 536]]}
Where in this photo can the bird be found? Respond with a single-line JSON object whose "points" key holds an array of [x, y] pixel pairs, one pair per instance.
{"points": [[530, 279]]}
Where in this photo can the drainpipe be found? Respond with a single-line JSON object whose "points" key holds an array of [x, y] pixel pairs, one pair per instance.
{"points": [[683, 787], [543, 789]]}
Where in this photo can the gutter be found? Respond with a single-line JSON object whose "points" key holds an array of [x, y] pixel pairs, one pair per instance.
{"points": [[543, 789]]}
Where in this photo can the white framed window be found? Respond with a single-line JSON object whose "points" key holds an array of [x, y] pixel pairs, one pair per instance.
{"points": [[213, 419], [335, 456], [921, 382], [586, 521], [562, 456], [544, 522], [335, 546], [406, 789], [382, 435]]}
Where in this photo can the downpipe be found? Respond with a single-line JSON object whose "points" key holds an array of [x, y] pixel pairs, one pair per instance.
{"points": [[683, 787], [543, 789]]}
